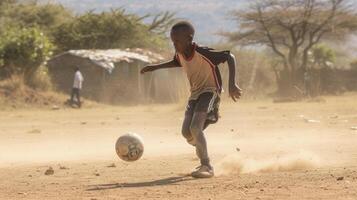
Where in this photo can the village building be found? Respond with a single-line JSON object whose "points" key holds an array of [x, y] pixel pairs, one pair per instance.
{"points": [[113, 76]]}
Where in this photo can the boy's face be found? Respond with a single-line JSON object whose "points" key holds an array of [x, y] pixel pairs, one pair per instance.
{"points": [[182, 40]]}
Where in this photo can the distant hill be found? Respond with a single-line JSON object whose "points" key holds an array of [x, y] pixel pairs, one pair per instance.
{"points": [[208, 16]]}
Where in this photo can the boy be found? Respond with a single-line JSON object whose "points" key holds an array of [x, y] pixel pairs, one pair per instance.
{"points": [[200, 65]]}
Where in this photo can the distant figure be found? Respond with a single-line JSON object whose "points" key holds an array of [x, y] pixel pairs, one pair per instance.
{"points": [[77, 86], [307, 84]]}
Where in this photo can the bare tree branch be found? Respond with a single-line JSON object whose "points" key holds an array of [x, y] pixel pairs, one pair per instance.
{"points": [[290, 28], [162, 22]]}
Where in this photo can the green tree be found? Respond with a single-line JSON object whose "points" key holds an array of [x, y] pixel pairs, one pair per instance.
{"points": [[321, 69], [323, 56], [114, 29], [32, 14], [7, 2], [22, 51]]}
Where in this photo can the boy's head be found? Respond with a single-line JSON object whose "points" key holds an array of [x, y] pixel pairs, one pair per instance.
{"points": [[182, 36]]}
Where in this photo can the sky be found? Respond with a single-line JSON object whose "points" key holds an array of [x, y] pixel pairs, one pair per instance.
{"points": [[209, 17]]}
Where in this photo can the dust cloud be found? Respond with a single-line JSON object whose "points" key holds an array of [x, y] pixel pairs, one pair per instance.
{"points": [[236, 164]]}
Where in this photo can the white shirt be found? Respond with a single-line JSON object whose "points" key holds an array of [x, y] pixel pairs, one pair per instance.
{"points": [[78, 79]]}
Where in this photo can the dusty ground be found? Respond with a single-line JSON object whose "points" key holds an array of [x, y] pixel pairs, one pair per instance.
{"points": [[260, 150]]}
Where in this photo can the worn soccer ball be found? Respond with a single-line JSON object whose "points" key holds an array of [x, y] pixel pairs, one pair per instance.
{"points": [[129, 147]]}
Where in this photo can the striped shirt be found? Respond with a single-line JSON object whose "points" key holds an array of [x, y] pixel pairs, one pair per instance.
{"points": [[202, 69]]}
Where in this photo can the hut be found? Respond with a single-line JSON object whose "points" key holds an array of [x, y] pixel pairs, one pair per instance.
{"points": [[113, 76]]}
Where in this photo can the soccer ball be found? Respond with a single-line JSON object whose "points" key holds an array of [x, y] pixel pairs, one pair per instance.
{"points": [[129, 147]]}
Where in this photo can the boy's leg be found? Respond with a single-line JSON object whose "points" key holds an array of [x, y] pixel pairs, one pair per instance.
{"points": [[198, 123], [186, 132], [196, 129]]}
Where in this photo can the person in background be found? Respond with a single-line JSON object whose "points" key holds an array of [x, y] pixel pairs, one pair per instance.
{"points": [[77, 86]]}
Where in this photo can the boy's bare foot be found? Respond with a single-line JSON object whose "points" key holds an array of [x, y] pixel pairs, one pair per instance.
{"points": [[203, 171]]}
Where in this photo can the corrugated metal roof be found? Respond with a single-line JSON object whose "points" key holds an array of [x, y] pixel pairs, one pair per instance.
{"points": [[107, 58]]}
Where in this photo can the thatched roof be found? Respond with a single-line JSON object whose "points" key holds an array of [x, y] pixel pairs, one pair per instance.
{"points": [[107, 58]]}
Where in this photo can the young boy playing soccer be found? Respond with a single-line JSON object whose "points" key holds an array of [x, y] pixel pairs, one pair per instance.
{"points": [[201, 67]]}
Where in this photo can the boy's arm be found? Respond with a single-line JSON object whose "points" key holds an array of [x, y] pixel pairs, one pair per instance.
{"points": [[169, 64], [218, 57], [234, 91]]}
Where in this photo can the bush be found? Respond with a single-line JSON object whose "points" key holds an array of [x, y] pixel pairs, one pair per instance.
{"points": [[107, 30], [322, 54], [27, 14], [22, 51]]}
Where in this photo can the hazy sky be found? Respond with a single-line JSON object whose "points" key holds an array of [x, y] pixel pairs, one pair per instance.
{"points": [[208, 16]]}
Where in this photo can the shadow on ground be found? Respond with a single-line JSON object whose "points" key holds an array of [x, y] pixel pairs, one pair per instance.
{"points": [[159, 182]]}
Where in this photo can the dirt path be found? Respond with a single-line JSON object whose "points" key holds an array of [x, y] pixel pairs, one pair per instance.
{"points": [[260, 150]]}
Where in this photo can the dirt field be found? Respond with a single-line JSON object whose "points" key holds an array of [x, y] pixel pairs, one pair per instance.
{"points": [[260, 150]]}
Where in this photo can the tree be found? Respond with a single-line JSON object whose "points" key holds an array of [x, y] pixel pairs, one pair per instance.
{"points": [[7, 2], [161, 22], [291, 28], [22, 51], [32, 14], [114, 29], [321, 69], [322, 56]]}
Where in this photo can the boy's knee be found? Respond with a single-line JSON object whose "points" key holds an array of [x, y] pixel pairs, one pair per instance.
{"points": [[195, 129], [186, 133]]}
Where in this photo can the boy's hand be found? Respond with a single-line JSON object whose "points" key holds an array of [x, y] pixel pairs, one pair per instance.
{"points": [[235, 92], [147, 69]]}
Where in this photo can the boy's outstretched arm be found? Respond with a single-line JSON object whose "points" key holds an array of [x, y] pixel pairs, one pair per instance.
{"points": [[234, 91], [169, 64]]}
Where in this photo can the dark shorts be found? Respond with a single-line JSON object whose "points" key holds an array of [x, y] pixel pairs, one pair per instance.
{"points": [[206, 102]]}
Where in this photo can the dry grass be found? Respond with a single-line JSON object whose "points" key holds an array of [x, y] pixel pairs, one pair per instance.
{"points": [[14, 93], [13, 84], [41, 80]]}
